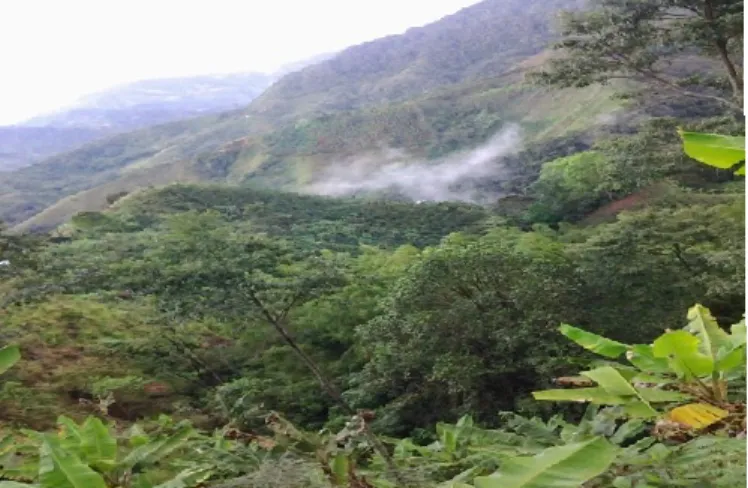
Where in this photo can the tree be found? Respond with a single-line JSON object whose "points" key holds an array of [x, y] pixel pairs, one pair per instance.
{"points": [[570, 187], [653, 42], [460, 329], [207, 268], [653, 263]]}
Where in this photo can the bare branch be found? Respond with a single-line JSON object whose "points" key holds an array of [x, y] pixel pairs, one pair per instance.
{"points": [[326, 384]]}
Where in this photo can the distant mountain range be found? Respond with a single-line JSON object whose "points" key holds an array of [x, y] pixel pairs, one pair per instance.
{"points": [[445, 87], [132, 106]]}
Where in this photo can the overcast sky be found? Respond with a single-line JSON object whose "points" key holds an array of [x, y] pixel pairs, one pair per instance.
{"points": [[54, 51]]}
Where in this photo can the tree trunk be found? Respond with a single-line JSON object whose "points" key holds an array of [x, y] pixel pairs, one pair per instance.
{"points": [[735, 79], [720, 43], [328, 386]]}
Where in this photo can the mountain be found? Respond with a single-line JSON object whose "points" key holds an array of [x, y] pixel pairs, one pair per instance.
{"points": [[22, 145], [299, 65], [480, 41], [133, 106], [151, 102], [448, 86], [126, 108]]}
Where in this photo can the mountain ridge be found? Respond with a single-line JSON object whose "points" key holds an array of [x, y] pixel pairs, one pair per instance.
{"points": [[133, 106], [471, 99]]}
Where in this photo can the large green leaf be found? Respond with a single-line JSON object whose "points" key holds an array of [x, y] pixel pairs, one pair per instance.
{"points": [[9, 355], [567, 466], [152, 452], [703, 325], [596, 395], [98, 446], [733, 356], [447, 437], [593, 342], [738, 333], [656, 395], [682, 352], [62, 469], [642, 356], [187, 479], [715, 150], [599, 396], [613, 382], [732, 360]]}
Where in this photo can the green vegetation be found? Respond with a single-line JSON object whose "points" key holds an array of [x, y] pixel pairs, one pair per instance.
{"points": [[716, 150], [172, 301], [640, 40], [224, 336], [462, 47]]}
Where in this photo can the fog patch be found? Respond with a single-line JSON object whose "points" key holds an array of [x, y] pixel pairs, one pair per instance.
{"points": [[452, 178]]}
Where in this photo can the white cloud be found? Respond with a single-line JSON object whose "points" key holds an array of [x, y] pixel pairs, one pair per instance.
{"points": [[53, 51], [448, 178]]}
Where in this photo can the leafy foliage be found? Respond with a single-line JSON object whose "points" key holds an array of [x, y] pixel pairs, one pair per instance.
{"points": [[222, 306], [715, 150], [640, 40], [89, 455]]}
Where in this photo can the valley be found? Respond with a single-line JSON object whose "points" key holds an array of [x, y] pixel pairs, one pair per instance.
{"points": [[458, 257]]}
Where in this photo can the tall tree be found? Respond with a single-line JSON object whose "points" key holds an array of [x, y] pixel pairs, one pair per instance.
{"points": [[668, 45]]}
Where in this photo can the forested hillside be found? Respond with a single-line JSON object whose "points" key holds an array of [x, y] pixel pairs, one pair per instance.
{"points": [[461, 47], [582, 327], [453, 101]]}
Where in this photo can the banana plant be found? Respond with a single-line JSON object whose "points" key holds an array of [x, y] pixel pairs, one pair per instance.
{"points": [[567, 466], [511, 454], [88, 455], [694, 365], [601, 451]]}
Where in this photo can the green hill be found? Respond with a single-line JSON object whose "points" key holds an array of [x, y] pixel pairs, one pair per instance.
{"points": [[328, 113], [333, 223]]}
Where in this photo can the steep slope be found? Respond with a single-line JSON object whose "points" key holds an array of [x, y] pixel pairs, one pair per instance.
{"points": [[480, 41], [433, 90], [146, 157]]}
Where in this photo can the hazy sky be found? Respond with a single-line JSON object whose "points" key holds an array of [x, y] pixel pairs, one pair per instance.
{"points": [[54, 51]]}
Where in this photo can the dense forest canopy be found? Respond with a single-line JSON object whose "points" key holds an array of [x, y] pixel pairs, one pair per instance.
{"points": [[585, 329]]}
